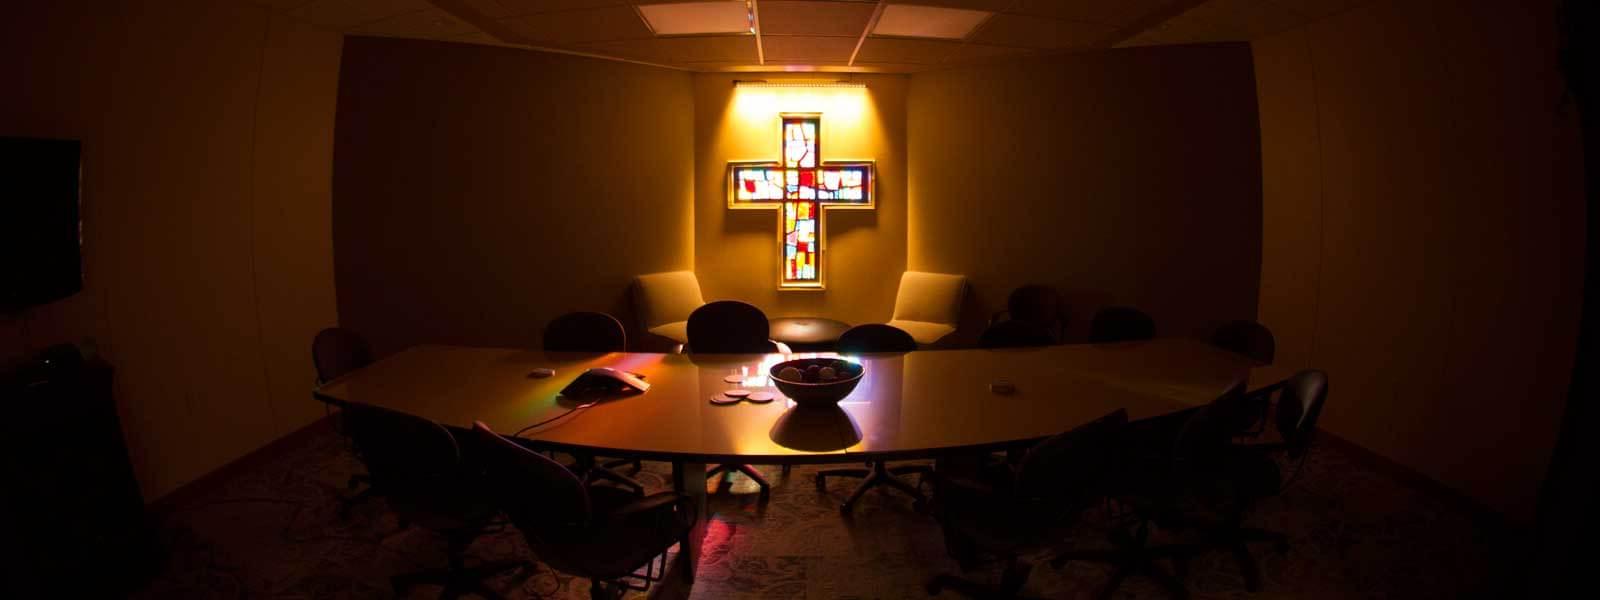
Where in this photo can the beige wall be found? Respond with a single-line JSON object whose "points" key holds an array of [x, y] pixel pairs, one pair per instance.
{"points": [[207, 130], [736, 252], [1423, 233], [1125, 177], [480, 192]]}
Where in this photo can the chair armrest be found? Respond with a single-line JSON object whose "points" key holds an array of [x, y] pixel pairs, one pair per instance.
{"points": [[648, 504]]}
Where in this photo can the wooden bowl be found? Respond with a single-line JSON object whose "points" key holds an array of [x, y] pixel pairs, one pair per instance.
{"points": [[818, 393]]}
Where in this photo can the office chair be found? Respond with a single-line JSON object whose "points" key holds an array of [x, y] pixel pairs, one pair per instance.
{"points": [[731, 327], [591, 332], [1246, 338], [1163, 460], [1252, 472], [597, 333], [876, 338], [1121, 324], [1005, 510], [336, 351], [595, 532], [1038, 304], [417, 467], [1015, 334]]}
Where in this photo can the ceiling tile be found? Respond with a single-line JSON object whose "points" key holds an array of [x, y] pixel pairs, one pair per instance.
{"points": [[1107, 12], [1040, 32], [989, 5], [429, 24], [580, 26], [517, 8], [901, 50], [790, 17], [346, 14], [1317, 9], [697, 18], [796, 48], [493, 9], [282, 5], [969, 52], [719, 48], [886, 67], [905, 20]]}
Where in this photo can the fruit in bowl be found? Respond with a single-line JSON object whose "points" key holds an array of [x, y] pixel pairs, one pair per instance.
{"points": [[816, 381]]}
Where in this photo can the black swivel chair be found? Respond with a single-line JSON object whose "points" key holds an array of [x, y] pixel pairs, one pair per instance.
{"points": [[1251, 471], [336, 351], [596, 333], [876, 338], [1121, 324], [1005, 510], [1164, 459], [1246, 338], [1038, 304], [415, 464], [731, 327], [592, 332], [596, 532], [1015, 334]]}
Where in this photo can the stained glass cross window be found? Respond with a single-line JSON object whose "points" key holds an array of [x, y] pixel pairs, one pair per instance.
{"points": [[801, 187]]}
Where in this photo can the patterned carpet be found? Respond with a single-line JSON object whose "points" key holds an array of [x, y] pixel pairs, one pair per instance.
{"points": [[275, 533]]}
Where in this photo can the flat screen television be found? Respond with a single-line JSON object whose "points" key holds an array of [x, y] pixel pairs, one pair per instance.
{"points": [[41, 234]]}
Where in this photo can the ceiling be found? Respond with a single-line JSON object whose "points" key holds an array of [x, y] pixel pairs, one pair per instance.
{"points": [[812, 35]]}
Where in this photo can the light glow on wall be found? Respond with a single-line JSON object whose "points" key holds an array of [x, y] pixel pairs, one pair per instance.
{"points": [[756, 104]]}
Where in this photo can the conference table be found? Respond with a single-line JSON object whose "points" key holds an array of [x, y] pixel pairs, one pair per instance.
{"points": [[915, 405]]}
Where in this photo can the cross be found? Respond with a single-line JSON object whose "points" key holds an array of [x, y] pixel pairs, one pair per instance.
{"points": [[802, 188]]}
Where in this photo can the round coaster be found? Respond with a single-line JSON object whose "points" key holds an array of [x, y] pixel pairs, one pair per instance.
{"points": [[723, 400], [736, 393], [761, 397], [734, 379]]}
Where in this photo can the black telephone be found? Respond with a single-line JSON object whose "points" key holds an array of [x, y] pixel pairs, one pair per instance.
{"points": [[605, 381]]}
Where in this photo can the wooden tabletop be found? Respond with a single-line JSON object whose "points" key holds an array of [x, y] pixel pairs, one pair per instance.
{"points": [[917, 404]]}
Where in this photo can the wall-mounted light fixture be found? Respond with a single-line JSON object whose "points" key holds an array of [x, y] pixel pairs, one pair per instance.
{"points": [[797, 83]]}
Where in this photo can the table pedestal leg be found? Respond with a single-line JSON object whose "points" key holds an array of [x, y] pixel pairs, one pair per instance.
{"points": [[689, 479]]}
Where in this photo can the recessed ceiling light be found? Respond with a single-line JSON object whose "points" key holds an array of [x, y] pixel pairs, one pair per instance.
{"points": [[909, 20], [690, 18]]}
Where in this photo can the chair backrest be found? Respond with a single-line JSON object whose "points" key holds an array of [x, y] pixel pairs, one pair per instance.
{"points": [[585, 332], [930, 297], [1121, 324], [876, 337], [1246, 338], [663, 298], [1015, 334], [1211, 429], [1299, 406], [1067, 468], [1038, 304], [729, 327], [336, 351], [545, 500], [405, 455]]}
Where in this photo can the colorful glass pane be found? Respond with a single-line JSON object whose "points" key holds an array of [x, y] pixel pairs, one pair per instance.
{"points": [[800, 186]]}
